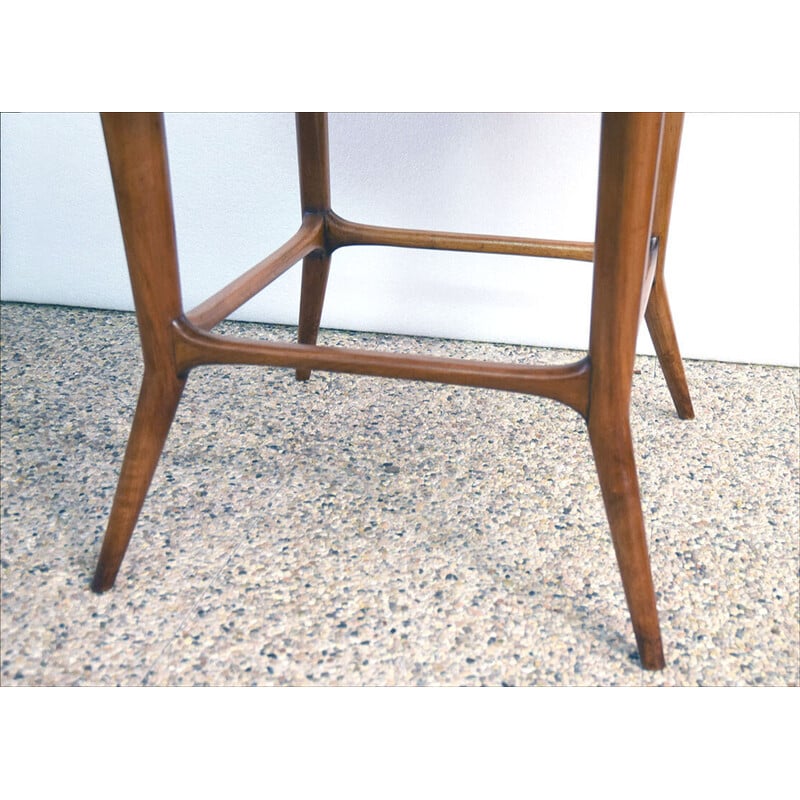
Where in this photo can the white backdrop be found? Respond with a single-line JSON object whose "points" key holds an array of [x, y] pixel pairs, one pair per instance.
{"points": [[733, 263]]}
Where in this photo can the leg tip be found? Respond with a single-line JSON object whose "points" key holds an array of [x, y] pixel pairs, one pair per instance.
{"points": [[651, 655], [302, 374], [102, 583]]}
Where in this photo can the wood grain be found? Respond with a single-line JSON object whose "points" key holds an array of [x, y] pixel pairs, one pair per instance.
{"points": [[638, 158]]}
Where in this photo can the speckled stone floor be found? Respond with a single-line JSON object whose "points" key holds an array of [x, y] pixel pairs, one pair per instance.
{"points": [[354, 531]]}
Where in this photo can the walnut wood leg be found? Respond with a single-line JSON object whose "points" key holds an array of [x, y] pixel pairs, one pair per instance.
{"points": [[662, 332], [137, 156], [616, 469], [657, 315], [315, 278], [315, 198], [158, 400], [629, 150]]}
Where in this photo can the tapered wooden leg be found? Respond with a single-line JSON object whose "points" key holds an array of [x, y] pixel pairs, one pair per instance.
{"points": [[662, 332], [315, 278], [616, 469], [137, 156], [158, 400], [657, 315], [315, 198], [629, 150]]}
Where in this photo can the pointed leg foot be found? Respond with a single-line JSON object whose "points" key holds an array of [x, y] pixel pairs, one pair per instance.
{"points": [[662, 332], [616, 470], [158, 400]]}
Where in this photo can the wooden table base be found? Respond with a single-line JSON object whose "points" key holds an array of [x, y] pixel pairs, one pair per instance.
{"points": [[638, 157]]}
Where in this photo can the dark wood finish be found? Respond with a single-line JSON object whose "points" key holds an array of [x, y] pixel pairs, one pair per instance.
{"points": [[637, 173]]}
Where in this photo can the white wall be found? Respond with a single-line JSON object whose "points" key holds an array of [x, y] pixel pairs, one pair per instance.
{"points": [[733, 260]]}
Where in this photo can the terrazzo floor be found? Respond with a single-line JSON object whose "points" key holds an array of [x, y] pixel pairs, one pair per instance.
{"points": [[354, 531]]}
